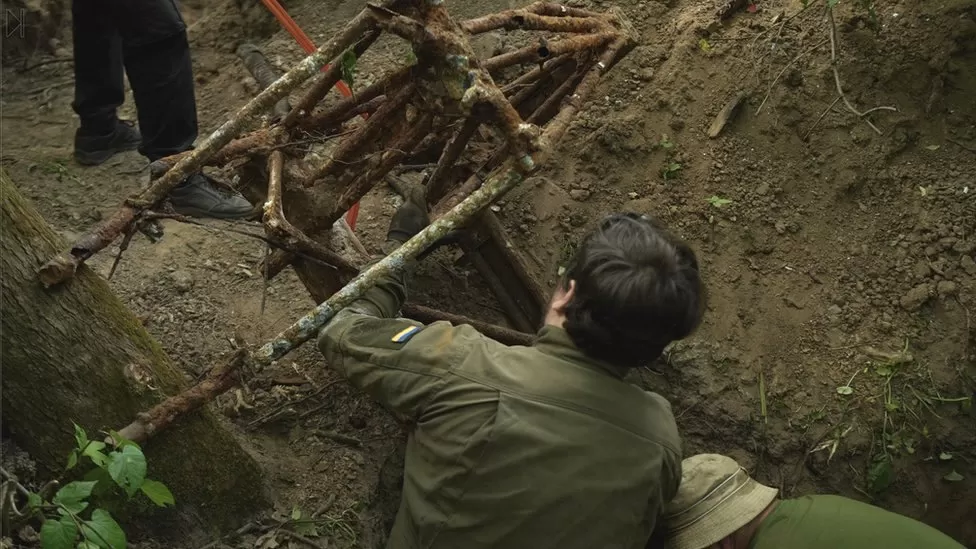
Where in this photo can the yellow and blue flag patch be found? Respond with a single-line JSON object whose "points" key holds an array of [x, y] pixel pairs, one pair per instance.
{"points": [[404, 335]]}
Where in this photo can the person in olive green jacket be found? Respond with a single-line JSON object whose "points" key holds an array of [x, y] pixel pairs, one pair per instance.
{"points": [[533, 447], [718, 506]]}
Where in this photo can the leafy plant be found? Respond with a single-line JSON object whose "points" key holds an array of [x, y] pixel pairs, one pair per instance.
{"points": [[348, 66], [718, 201], [71, 520], [671, 170]]}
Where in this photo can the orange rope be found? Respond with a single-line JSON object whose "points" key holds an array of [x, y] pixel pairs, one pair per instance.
{"points": [[306, 43]]}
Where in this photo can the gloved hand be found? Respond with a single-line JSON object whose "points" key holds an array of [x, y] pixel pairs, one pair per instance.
{"points": [[409, 219]]}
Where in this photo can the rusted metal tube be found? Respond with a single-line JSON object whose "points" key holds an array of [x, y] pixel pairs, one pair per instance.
{"points": [[326, 82], [551, 104], [500, 334], [346, 152], [516, 86], [543, 52], [449, 157], [522, 19], [277, 226], [559, 10]]}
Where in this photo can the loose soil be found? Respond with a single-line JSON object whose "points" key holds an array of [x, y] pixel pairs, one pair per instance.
{"points": [[838, 353]]}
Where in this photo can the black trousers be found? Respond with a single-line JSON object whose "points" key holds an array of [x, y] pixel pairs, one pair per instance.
{"points": [[146, 38]]}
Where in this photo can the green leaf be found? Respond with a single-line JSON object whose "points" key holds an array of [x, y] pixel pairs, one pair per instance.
{"points": [[58, 534], [953, 477], [704, 45], [883, 370], [87, 545], [296, 513], [879, 475], [72, 496], [94, 452], [34, 500], [157, 492], [845, 390], [103, 480], [72, 459], [832, 3], [121, 441], [933, 147], [128, 468], [718, 201], [103, 531], [348, 62], [307, 528], [81, 437], [945, 456]]}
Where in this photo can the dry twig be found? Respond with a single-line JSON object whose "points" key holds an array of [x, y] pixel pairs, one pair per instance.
{"points": [[840, 88]]}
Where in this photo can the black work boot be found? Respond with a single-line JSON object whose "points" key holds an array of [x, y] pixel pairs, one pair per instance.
{"points": [[200, 196], [91, 150]]}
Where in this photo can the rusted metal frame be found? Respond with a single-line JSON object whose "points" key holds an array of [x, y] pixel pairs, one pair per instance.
{"points": [[278, 226], [531, 79], [353, 145], [523, 19], [443, 45], [395, 154], [551, 105], [449, 157], [500, 183], [326, 81], [336, 119], [382, 163], [537, 54], [558, 10], [342, 108], [500, 334], [474, 181], [223, 377], [63, 266]]}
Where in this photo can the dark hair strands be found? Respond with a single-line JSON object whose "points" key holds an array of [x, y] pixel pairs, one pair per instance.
{"points": [[637, 289]]}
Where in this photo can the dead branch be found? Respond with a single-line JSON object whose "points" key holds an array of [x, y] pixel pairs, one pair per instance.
{"points": [[840, 88], [769, 90]]}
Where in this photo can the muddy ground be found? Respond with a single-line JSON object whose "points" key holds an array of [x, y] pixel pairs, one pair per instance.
{"points": [[837, 355]]}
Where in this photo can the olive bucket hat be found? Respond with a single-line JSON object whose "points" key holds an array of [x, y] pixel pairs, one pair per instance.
{"points": [[716, 497]]}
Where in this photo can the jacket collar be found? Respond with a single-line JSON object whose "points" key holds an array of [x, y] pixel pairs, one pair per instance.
{"points": [[554, 341]]}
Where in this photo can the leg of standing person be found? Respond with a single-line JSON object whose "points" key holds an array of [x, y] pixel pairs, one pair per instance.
{"points": [[99, 86], [156, 53]]}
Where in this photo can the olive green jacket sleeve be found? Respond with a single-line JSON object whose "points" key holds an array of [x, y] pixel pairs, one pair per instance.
{"points": [[401, 374]]}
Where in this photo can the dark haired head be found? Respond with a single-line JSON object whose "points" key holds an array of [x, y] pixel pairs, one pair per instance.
{"points": [[633, 288]]}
